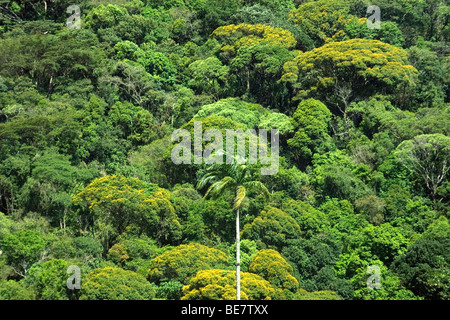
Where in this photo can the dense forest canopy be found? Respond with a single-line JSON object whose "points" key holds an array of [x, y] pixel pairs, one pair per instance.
{"points": [[91, 94]]}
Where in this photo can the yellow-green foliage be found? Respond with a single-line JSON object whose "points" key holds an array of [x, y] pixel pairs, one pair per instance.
{"points": [[323, 20], [183, 262], [219, 284], [356, 61], [112, 283], [115, 202], [270, 265], [316, 295], [245, 113], [240, 35], [272, 228], [250, 115], [105, 192]]}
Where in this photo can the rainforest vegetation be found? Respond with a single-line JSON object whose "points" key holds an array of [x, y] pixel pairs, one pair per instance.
{"points": [[87, 179]]}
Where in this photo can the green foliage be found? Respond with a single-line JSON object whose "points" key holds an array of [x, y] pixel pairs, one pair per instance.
{"points": [[248, 114], [48, 280], [87, 177], [311, 123], [133, 253], [310, 220], [254, 50], [384, 241], [337, 176], [373, 207], [170, 290], [22, 249], [390, 289], [273, 228], [208, 76], [387, 33], [248, 249], [159, 66], [433, 149], [103, 17], [314, 260], [13, 290], [424, 267]]}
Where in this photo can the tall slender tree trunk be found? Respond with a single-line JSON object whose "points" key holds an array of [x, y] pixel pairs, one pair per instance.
{"points": [[248, 81], [238, 259]]}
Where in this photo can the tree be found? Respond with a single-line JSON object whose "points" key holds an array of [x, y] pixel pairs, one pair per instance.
{"points": [[256, 52], [87, 250], [236, 36], [270, 265], [216, 284], [148, 161], [387, 33], [14, 290], [22, 249], [49, 188], [383, 241], [133, 252], [426, 156], [248, 250], [311, 123], [112, 203], [111, 283], [181, 263], [430, 90], [391, 288], [129, 81], [187, 173], [105, 16], [51, 60], [159, 66], [48, 280], [250, 115], [335, 175], [424, 267], [127, 50], [373, 207], [135, 122], [273, 229], [208, 76], [236, 178], [314, 260], [351, 70], [302, 294], [217, 218], [310, 220], [323, 20]]}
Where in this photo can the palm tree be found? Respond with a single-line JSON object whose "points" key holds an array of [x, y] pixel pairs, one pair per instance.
{"points": [[238, 179]]}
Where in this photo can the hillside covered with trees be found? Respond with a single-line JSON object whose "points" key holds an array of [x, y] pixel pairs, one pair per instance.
{"points": [[87, 179]]}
